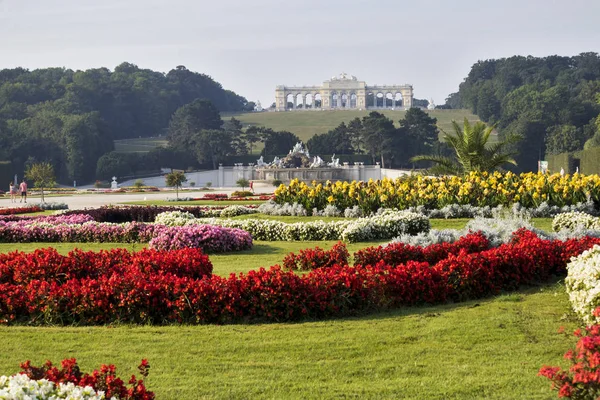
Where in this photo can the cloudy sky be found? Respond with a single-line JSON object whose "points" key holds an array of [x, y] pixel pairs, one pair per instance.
{"points": [[250, 46]]}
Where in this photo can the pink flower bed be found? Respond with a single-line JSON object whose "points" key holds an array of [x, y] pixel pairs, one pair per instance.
{"points": [[73, 229]]}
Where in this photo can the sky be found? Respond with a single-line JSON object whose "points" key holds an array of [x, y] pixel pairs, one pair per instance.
{"points": [[250, 46]]}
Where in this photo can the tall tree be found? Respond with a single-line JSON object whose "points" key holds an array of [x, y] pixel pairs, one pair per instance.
{"points": [[190, 120], [472, 150], [278, 143], [420, 131], [378, 136], [212, 145]]}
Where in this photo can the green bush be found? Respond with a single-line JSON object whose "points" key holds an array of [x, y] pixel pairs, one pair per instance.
{"points": [[276, 182], [241, 193]]}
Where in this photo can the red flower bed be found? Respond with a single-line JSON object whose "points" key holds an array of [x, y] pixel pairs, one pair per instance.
{"points": [[20, 210], [37, 289], [249, 198], [398, 253], [310, 259], [104, 379], [582, 380]]}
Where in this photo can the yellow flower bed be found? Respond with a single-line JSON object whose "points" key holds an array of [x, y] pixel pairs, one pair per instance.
{"points": [[477, 188]]}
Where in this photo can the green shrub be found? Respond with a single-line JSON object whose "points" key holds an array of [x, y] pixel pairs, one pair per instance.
{"points": [[276, 182], [241, 193]]}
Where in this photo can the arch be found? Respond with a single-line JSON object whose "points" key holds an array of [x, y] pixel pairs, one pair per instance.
{"points": [[309, 100], [335, 100], [380, 100], [299, 97], [290, 103], [344, 101], [398, 100], [389, 100], [318, 101], [353, 99], [370, 100]]}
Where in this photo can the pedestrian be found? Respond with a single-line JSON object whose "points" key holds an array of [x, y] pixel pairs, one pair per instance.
{"points": [[23, 190], [13, 192], [252, 186]]}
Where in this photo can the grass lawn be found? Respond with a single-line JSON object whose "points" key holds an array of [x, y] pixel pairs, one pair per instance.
{"points": [[489, 349], [307, 124]]}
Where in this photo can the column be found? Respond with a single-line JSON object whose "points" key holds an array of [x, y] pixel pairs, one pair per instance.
{"points": [[374, 99], [304, 101]]}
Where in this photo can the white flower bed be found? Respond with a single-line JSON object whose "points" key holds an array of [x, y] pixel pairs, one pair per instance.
{"points": [[583, 284], [544, 210], [575, 220], [382, 226], [21, 387]]}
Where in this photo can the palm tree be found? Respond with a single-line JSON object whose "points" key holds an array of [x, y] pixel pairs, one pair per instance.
{"points": [[473, 153]]}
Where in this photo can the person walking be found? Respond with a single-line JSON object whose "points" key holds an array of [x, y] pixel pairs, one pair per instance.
{"points": [[13, 192], [23, 190]]}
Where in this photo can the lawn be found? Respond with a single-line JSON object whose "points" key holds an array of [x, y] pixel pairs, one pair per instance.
{"points": [[308, 123], [490, 348]]}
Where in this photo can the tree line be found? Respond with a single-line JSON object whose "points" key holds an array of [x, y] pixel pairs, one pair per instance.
{"points": [[70, 118], [551, 102], [197, 130]]}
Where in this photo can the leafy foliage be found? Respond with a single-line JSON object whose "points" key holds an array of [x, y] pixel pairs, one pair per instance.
{"points": [[473, 152]]}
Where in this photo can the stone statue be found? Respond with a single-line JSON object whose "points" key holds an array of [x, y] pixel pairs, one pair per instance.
{"points": [[113, 184], [317, 162], [431, 105], [276, 163], [260, 163], [335, 162]]}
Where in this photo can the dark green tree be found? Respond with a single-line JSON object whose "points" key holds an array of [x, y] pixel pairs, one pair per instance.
{"points": [[419, 131], [175, 179], [190, 120], [278, 143]]}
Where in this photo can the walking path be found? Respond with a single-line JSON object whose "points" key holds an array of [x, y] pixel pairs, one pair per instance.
{"points": [[94, 200]]}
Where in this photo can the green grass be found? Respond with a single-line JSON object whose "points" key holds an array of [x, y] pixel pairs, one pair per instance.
{"points": [[488, 349], [304, 124], [140, 145], [308, 123]]}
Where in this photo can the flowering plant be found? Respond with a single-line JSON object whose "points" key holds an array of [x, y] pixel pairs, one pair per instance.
{"points": [[582, 380]]}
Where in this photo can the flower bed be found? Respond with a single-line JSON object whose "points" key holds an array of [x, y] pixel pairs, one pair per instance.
{"points": [[381, 226], [477, 189], [207, 237], [582, 379], [275, 295], [149, 213], [575, 220], [583, 284], [68, 382], [20, 210]]}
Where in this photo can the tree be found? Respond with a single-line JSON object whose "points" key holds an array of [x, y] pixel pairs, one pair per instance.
{"points": [[42, 175], [421, 132], [472, 150], [277, 143], [243, 183], [191, 119], [175, 179], [233, 127], [379, 136], [564, 138], [251, 136], [211, 146], [336, 141]]}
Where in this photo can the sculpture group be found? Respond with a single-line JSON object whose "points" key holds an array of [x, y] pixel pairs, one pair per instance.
{"points": [[298, 157]]}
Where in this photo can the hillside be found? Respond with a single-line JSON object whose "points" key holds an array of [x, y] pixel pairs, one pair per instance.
{"points": [[305, 124]]}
